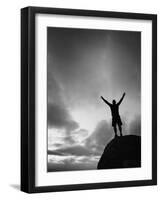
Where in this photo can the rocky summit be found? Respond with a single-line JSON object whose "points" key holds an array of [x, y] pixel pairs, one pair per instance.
{"points": [[121, 152]]}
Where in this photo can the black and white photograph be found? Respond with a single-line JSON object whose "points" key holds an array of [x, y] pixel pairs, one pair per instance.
{"points": [[88, 99], [93, 99]]}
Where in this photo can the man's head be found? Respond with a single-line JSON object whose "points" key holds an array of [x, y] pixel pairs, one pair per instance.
{"points": [[114, 102]]}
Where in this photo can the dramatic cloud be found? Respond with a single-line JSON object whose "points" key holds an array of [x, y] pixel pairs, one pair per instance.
{"points": [[80, 157], [72, 164], [135, 126], [57, 153], [76, 150], [57, 112], [100, 137], [86, 156], [59, 117], [91, 145]]}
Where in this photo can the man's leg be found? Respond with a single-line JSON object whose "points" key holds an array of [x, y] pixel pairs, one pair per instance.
{"points": [[120, 129], [115, 130]]}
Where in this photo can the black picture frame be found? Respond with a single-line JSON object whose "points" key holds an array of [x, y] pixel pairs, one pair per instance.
{"points": [[28, 98]]}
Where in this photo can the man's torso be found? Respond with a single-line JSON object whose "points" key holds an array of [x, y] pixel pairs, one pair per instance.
{"points": [[114, 110]]}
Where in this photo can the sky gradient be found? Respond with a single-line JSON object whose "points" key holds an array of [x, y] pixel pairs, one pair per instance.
{"points": [[82, 65]]}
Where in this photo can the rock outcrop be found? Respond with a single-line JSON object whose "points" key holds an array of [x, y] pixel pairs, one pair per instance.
{"points": [[121, 152]]}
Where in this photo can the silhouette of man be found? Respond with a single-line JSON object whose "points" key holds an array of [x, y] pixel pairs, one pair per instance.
{"points": [[116, 120]]}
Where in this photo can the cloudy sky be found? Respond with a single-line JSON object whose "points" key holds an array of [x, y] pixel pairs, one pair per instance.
{"points": [[82, 65]]}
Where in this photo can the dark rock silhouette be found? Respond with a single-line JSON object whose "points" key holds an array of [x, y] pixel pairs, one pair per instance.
{"points": [[121, 152]]}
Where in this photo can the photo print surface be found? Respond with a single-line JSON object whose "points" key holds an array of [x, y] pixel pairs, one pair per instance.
{"points": [[93, 99]]}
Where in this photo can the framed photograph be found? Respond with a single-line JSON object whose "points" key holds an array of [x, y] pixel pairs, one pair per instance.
{"points": [[88, 99]]}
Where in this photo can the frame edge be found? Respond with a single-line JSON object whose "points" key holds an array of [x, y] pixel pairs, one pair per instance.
{"points": [[24, 100]]}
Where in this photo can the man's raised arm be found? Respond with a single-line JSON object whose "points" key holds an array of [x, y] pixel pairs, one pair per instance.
{"points": [[105, 101], [121, 99]]}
